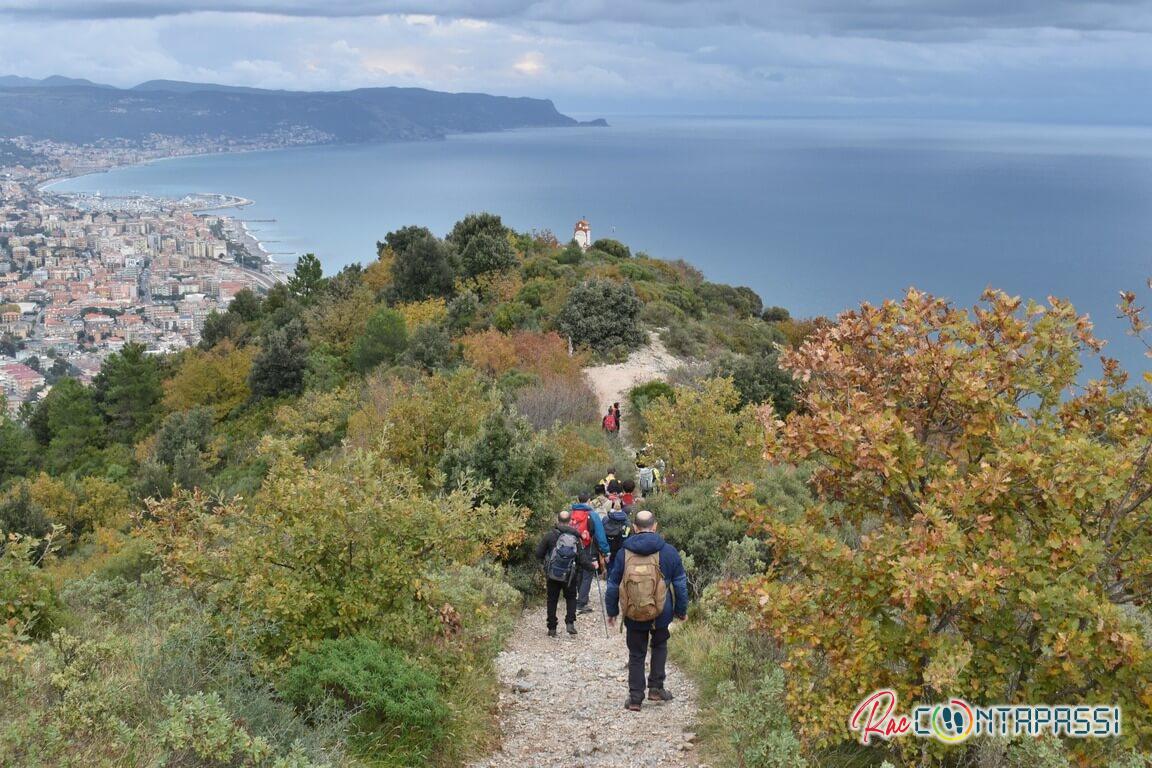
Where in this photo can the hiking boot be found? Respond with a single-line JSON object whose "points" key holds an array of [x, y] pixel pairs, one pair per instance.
{"points": [[552, 632], [571, 628], [585, 609], [659, 694], [632, 706]]}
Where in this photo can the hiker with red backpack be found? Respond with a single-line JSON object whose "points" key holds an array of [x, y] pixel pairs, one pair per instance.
{"points": [[628, 492], [611, 422], [565, 557], [591, 528], [648, 585]]}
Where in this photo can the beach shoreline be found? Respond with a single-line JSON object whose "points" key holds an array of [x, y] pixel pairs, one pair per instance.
{"points": [[244, 237]]}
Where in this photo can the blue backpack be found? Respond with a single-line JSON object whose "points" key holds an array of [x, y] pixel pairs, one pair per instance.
{"points": [[561, 563]]}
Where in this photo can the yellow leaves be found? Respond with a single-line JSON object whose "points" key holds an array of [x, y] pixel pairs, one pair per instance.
{"points": [[217, 379], [427, 312], [337, 324], [411, 422], [950, 656], [314, 421], [494, 287], [701, 433], [378, 274]]}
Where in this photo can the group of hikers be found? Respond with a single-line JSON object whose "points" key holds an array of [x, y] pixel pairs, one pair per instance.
{"points": [[603, 533]]}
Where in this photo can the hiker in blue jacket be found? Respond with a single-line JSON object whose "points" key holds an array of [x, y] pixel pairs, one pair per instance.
{"points": [[642, 634], [599, 548]]}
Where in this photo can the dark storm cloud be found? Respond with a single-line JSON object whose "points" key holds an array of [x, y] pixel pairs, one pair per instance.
{"points": [[895, 18]]}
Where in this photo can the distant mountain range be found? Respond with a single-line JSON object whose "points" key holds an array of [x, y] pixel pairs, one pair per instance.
{"points": [[80, 111]]}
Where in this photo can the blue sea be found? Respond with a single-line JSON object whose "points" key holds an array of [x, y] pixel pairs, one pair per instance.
{"points": [[816, 215]]}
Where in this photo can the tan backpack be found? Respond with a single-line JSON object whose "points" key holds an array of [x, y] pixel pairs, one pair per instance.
{"points": [[642, 587]]}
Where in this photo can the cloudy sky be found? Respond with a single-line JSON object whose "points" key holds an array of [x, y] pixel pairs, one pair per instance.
{"points": [[1052, 60]]}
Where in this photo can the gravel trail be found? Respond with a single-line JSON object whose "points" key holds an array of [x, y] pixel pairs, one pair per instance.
{"points": [[611, 383], [562, 703]]}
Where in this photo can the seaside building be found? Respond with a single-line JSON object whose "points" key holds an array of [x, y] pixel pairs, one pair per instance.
{"points": [[583, 234]]}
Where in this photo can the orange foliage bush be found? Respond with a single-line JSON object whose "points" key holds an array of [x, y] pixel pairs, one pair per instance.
{"points": [[543, 354], [489, 351]]}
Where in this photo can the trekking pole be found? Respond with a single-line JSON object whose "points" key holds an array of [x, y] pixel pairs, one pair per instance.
{"points": [[603, 607]]}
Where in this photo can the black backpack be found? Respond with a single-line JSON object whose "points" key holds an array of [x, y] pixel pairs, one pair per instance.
{"points": [[561, 562], [616, 529]]}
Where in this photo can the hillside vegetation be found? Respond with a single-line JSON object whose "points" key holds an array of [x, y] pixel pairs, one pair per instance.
{"points": [[304, 542]]}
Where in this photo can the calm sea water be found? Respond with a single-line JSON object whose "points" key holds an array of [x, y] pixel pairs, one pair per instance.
{"points": [[815, 215]]}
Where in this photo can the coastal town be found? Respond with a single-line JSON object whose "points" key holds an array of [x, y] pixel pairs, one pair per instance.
{"points": [[81, 276]]}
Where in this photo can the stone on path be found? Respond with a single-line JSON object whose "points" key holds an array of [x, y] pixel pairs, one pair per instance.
{"points": [[562, 703]]}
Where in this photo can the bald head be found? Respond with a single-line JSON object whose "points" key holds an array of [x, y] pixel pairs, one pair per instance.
{"points": [[645, 521], [564, 517]]}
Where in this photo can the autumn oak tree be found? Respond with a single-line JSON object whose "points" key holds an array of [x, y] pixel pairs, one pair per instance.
{"points": [[983, 525]]}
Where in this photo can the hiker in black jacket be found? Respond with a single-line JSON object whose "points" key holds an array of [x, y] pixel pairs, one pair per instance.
{"points": [[563, 556]]}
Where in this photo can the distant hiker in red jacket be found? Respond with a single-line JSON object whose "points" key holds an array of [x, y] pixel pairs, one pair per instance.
{"points": [[611, 422]]}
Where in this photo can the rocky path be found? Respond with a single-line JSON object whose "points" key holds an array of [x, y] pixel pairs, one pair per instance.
{"points": [[562, 703], [611, 383]]}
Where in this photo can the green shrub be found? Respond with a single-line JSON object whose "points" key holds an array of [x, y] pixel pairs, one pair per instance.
{"points": [[746, 337], [685, 339], [637, 272], [640, 397], [136, 558], [759, 379], [511, 315], [516, 464], [462, 311], [19, 513], [485, 606], [199, 731], [430, 348], [613, 248], [727, 299], [29, 607], [695, 522], [743, 720], [422, 267], [686, 299], [544, 267], [398, 704], [487, 253], [661, 314], [602, 315], [571, 254], [279, 367], [384, 339], [775, 315], [759, 729]]}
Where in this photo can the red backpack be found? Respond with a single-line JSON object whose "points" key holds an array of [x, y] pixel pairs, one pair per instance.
{"points": [[610, 423], [579, 521]]}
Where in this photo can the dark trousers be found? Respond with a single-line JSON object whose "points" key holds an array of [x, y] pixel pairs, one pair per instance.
{"points": [[638, 643], [554, 590], [585, 578]]}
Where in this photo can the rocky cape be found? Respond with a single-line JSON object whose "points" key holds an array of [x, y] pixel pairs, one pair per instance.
{"points": [[81, 112]]}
